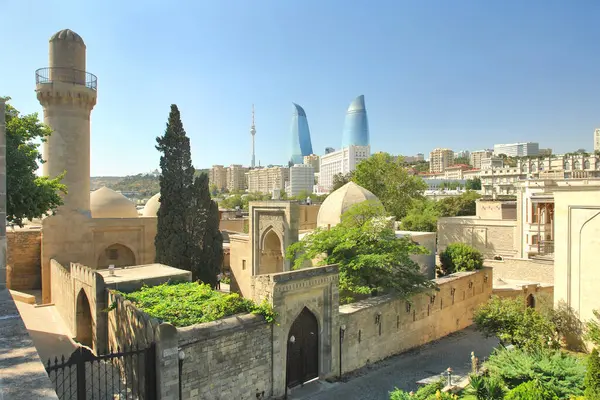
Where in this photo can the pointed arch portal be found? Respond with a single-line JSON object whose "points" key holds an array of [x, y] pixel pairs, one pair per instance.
{"points": [[303, 350], [83, 320], [271, 254]]}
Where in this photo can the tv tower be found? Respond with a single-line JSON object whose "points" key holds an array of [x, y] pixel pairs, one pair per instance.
{"points": [[252, 132]]}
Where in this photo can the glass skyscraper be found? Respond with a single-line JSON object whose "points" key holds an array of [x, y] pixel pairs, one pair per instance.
{"points": [[356, 125], [301, 144]]}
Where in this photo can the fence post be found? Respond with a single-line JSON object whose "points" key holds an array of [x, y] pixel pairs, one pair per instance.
{"points": [[150, 381], [167, 363], [80, 363]]}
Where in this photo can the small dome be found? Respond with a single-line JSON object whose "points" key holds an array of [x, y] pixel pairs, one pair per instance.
{"points": [[106, 203], [152, 206], [67, 34], [338, 202]]}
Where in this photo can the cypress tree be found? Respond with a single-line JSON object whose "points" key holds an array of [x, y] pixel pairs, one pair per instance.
{"points": [[592, 377], [176, 179]]}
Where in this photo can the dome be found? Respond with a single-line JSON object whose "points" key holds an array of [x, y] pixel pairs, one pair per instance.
{"points": [[67, 34], [152, 206], [106, 203], [338, 202]]}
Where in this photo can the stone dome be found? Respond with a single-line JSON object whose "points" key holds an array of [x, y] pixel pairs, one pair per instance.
{"points": [[152, 206], [106, 203], [67, 34], [338, 202]]}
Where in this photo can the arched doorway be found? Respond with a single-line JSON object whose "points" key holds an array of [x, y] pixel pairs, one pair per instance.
{"points": [[83, 320], [303, 350], [530, 301], [271, 256], [117, 255]]}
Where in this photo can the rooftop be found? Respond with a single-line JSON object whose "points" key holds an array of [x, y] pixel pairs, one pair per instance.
{"points": [[140, 272]]}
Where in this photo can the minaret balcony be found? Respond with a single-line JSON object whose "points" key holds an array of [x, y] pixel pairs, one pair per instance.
{"points": [[73, 76]]}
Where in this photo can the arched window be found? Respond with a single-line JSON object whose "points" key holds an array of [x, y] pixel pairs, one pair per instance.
{"points": [[567, 166], [533, 168], [524, 167], [586, 164], [541, 166], [576, 165]]}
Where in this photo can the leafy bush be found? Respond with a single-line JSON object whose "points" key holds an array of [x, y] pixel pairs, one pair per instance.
{"points": [[593, 329], [458, 257], [532, 390], [427, 392], [185, 304], [513, 322], [592, 376], [559, 372], [485, 387]]}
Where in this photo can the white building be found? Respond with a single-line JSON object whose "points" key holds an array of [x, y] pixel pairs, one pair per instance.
{"points": [[264, 180], [302, 178], [340, 162], [597, 140], [517, 149], [491, 162], [477, 156]]}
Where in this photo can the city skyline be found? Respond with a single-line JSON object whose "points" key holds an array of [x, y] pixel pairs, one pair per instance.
{"points": [[356, 124], [511, 72], [300, 136]]}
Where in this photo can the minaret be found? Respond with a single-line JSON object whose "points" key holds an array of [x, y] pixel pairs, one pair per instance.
{"points": [[68, 94], [252, 132]]}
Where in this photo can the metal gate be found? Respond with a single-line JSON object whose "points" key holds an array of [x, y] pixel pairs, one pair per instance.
{"points": [[303, 349], [128, 374]]}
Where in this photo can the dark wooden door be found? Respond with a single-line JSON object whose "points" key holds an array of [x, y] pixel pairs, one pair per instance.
{"points": [[303, 349]]}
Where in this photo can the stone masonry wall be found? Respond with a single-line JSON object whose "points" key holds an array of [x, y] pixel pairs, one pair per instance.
{"points": [[127, 325], [63, 293], [227, 359], [539, 271], [24, 259], [380, 327]]}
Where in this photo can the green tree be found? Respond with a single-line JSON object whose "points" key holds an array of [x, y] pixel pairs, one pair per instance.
{"points": [[370, 256], [390, 181], [176, 179], [512, 321], [340, 180], [473, 184], [462, 160], [532, 390], [28, 196], [592, 377], [458, 257], [593, 329], [456, 206], [422, 216]]}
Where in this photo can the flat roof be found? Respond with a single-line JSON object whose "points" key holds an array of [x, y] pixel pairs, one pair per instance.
{"points": [[140, 272]]}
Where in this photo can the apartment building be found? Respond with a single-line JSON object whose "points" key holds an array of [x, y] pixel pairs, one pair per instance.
{"points": [[265, 180], [518, 149], [455, 172], [414, 159], [491, 162], [302, 179], [340, 162], [440, 159], [477, 156], [236, 177], [312, 160], [217, 176], [462, 154]]}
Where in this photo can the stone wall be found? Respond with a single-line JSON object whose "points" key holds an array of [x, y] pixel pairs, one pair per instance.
{"points": [[62, 293], [24, 259], [539, 271], [234, 225], [380, 327], [308, 216], [227, 359], [127, 325]]}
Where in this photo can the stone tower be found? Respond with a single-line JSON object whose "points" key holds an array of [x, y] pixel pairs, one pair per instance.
{"points": [[68, 94]]}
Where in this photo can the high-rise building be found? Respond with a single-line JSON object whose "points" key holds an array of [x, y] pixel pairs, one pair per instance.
{"points": [[462, 154], [313, 160], [302, 179], [517, 149], [477, 156], [265, 180], [236, 178], [340, 162], [597, 140], [440, 159], [301, 144], [329, 150], [217, 176], [356, 124]]}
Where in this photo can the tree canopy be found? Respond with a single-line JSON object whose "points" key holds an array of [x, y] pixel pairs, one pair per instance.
{"points": [[388, 179], [340, 180], [28, 196], [370, 256]]}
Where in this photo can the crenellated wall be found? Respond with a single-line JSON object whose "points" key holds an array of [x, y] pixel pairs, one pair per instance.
{"points": [[62, 293], [379, 327], [127, 325]]}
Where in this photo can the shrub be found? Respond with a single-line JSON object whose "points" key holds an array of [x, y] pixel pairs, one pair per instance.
{"points": [[185, 304], [592, 377], [559, 372], [532, 390], [593, 329], [485, 387], [459, 257], [427, 392], [513, 322]]}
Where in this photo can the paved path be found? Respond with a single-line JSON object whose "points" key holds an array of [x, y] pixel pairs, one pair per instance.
{"points": [[403, 371]]}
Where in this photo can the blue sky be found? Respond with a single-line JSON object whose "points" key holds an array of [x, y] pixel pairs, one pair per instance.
{"points": [[463, 74]]}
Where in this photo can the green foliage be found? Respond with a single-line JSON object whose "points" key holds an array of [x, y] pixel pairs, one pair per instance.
{"points": [[424, 213], [532, 390], [512, 321], [458, 257], [592, 376], [473, 184], [146, 185], [462, 160], [457, 206], [185, 304], [421, 166], [340, 180], [593, 329], [427, 392], [388, 179], [566, 322], [450, 185], [28, 196], [370, 256], [241, 200], [559, 372]]}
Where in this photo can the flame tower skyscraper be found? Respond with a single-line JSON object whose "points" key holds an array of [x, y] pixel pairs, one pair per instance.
{"points": [[356, 124], [300, 135]]}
